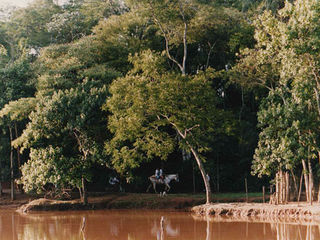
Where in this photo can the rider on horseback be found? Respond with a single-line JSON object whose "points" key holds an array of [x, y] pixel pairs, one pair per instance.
{"points": [[159, 175]]}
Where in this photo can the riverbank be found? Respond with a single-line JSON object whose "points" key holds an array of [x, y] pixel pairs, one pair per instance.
{"points": [[259, 210], [120, 201], [115, 201], [232, 206]]}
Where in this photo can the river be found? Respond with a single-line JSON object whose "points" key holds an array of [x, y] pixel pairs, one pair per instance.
{"points": [[144, 225]]}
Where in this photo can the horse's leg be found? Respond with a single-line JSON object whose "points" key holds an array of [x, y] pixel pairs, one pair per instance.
{"points": [[167, 187], [149, 187], [154, 187]]}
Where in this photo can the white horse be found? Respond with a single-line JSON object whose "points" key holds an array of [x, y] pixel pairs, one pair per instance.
{"points": [[166, 181]]}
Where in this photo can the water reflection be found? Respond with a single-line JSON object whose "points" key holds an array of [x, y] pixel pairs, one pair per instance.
{"points": [[286, 232], [147, 225], [164, 228]]}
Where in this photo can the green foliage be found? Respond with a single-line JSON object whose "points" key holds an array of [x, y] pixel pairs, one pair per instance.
{"points": [[119, 36], [16, 80], [18, 110], [150, 106], [282, 61], [95, 10], [40, 170], [62, 125], [29, 24], [170, 16], [77, 18], [57, 63], [3, 50], [216, 34], [64, 66]]}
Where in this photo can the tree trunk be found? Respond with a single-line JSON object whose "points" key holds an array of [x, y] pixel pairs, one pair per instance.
{"points": [[80, 193], [310, 181], [277, 188], [12, 192], [287, 187], [295, 184], [218, 174], [84, 191], [18, 158], [319, 184], [18, 148], [193, 179], [198, 160], [0, 182], [306, 179], [183, 70], [283, 187], [203, 173], [182, 66], [300, 186], [282, 183], [246, 187]]}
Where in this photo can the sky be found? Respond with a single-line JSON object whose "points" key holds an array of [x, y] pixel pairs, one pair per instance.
{"points": [[18, 3], [23, 3]]}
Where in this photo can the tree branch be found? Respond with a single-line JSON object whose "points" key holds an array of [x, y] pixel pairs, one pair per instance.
{"points": [[189, 129], [184, 40], [183, 135], [209, 54], [173, 124], [166, 37]]}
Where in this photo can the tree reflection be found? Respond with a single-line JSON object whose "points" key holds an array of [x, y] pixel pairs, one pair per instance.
{"points": [[248, 228], [287, 231], [82, 228], [46, 227], [116, 225], [164, 229], [208, 230]]}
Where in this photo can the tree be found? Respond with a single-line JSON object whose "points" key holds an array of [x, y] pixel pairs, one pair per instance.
{"points": [[150, 108], [15, 80], [283, 62], [64, 135], [27, 26], [77, 18], [173, 19]]}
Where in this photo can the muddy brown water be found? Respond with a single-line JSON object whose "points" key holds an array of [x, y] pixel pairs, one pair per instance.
{"points": [[143, 225]]}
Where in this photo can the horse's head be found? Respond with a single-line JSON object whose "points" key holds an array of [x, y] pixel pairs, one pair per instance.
{"points": [[177, 177]]}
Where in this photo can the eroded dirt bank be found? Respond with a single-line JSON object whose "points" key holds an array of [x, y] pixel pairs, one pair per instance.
{"points": [[243, 210], [174, 202], [115, 201]]}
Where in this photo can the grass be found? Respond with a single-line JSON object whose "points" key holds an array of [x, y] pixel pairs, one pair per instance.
{"points": [[233, 196], [236, 195]]}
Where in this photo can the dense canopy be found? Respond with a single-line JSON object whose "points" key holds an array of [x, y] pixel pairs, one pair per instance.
{"points": [[95, 89]]}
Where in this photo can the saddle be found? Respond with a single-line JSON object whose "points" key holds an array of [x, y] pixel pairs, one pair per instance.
{"points": [[159, 180]]}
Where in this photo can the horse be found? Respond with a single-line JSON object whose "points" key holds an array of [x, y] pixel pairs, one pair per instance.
{"points": [[165, 181]]}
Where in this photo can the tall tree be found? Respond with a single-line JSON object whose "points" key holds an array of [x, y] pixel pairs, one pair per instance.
{"points": [[154, 106], [283, 62], [66, 127]]}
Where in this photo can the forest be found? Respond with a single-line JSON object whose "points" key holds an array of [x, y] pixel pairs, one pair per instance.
{"points": [[92, 89]]}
